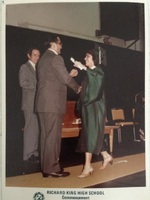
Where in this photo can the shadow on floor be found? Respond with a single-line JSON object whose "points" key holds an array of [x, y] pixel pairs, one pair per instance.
{"points": [[134, 180]]}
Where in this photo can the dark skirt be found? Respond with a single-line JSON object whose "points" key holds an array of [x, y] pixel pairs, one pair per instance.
{"points": [[92, 132]]}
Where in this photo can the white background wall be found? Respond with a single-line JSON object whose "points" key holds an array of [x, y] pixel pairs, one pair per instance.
{"points": [[79, 19], [75, 19]]}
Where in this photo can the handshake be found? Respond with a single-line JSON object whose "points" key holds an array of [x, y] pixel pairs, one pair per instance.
{"points": [[78, 64]]}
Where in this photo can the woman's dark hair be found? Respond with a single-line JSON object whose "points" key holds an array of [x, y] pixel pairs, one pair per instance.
{"points": [[95, 54]]}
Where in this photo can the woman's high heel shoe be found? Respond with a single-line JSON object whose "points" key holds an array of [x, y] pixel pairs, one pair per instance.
{"points": [[106, 161], [86, 172]]}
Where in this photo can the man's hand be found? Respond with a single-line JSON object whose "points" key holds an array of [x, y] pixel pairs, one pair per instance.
{"points": [[73, 73], [79, 89]]}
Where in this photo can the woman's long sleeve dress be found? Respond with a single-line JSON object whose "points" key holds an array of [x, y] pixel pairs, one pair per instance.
{"points": [[93, 112]]}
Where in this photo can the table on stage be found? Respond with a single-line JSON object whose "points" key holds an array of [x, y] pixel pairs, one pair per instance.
{"points": [[71, 125], [74, 132]]}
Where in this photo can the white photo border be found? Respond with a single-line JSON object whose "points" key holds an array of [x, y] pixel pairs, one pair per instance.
{"points": [[18, 193]]}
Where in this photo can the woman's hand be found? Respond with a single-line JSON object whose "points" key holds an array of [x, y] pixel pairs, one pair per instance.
{"points": [[79, 65]]}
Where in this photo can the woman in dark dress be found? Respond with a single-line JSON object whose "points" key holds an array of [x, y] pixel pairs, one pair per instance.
{"points": [[93, 112]]}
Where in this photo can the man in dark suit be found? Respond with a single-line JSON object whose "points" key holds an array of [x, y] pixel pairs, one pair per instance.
{"points": [[28, 83], [53, 79]]}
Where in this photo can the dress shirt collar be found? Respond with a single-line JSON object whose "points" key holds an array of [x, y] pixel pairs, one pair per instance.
{"points": [[33, 64], [93, 67], [53, 51]]}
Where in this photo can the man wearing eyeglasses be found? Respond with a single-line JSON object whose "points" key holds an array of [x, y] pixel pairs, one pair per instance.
{"points": [[53, 79]]}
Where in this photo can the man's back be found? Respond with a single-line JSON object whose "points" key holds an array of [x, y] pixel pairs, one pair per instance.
{"points": [[51, 95]]}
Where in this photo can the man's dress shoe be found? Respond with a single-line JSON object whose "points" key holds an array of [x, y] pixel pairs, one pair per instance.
{"points": [[56, 174], [33, 159], [31, 165]]}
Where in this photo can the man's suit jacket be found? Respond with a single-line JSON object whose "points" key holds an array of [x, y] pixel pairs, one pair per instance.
{"points": [[28, 81], [53, 79]]}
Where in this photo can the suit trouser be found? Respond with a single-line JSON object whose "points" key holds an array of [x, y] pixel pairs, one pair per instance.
{"points": [[31, 135], [51, 128]]}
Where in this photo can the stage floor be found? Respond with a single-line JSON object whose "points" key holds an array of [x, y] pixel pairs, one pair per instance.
{"points": [[73, 162], [122, 166]]}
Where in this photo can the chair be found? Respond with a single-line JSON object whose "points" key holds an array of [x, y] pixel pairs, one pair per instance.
{"points": [[119, 119], [134, 126]]}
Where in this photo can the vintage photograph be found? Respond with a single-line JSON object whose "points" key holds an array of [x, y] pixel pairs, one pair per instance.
{"points": [[75, 94]]}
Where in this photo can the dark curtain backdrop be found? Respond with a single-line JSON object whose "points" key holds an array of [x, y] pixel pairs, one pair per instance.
{"points": [[124, 76]]}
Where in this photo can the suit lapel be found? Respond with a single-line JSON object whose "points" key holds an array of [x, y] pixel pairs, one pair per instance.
{"points": [[33, 72]]}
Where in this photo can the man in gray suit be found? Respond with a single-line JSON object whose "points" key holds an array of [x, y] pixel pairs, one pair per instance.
{"points": [[28, 83], [53, 79]]}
